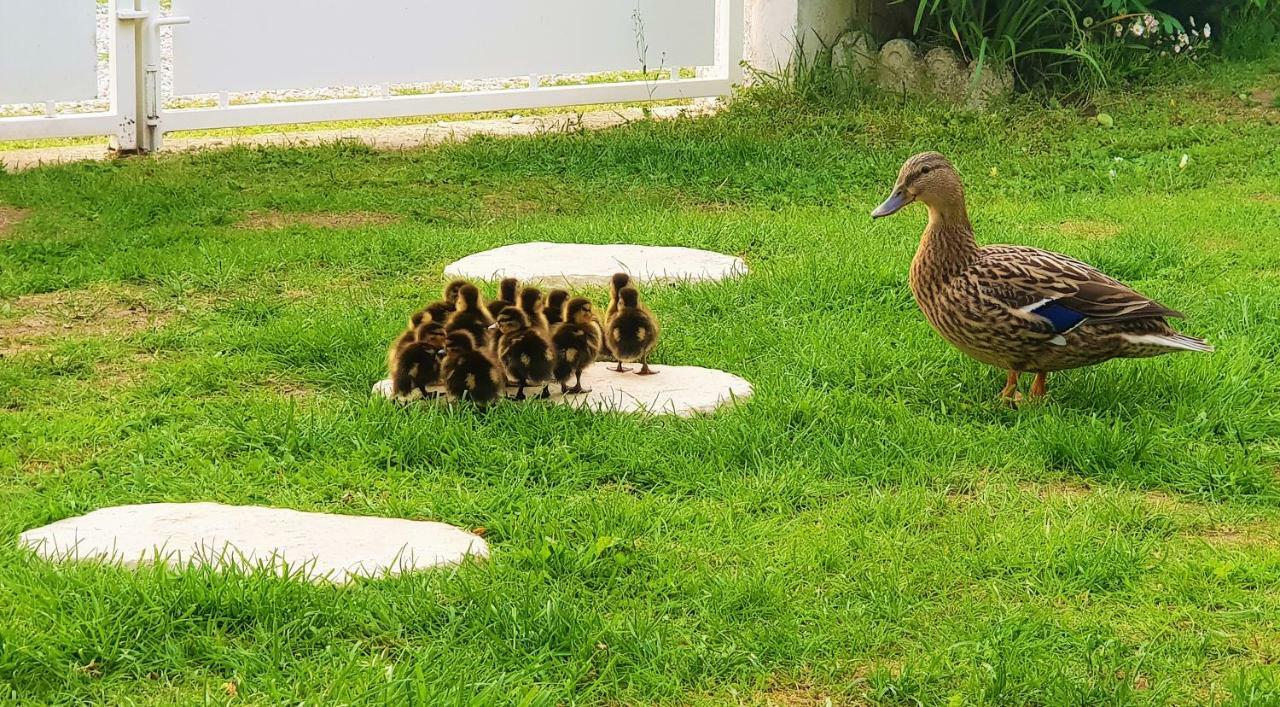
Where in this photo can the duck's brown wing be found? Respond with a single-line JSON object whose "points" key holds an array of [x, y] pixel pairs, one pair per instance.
{"points": [[1042, 282]]}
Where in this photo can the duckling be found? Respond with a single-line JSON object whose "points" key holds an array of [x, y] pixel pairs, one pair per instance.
{"points": [[469, 372], [532, 305], [437, 312], [470, 315], [451, 293], [416, 365], [616, 283], [506, 296], [554, 311], [633, 331], [524, 351], [1015, 307], [577, 343]]}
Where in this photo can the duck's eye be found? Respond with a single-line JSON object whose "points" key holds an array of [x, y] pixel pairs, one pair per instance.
{"points": [[925, 170]]}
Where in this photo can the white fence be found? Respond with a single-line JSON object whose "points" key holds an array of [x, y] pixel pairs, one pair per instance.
{"points": [[237, 63]]}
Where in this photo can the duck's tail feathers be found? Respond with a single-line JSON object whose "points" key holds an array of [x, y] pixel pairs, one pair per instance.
{"points": [[1178, 342]]}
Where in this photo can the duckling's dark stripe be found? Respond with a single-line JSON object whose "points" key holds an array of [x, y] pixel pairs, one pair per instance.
{"points": [[1061, 317]]}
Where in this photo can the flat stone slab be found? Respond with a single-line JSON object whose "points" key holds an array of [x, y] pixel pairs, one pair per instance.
{"points": [[676, 390], [320, 547], [578, 264]]}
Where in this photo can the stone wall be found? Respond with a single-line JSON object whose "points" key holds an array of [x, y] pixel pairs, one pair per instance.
{"points": [[775, 28]]}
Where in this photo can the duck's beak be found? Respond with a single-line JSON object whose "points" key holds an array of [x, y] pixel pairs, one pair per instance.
{"points": [[492, 326], [898, 199]]}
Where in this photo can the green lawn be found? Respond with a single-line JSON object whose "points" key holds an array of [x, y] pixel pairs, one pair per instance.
{"points": [[871, 527]]}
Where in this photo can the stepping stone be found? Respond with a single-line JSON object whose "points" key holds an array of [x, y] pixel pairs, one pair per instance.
{"points": [[320, 547], [676, 390], [578, 264]]}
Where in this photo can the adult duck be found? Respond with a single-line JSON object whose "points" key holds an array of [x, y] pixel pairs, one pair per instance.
{"points": [[1019, 308]]}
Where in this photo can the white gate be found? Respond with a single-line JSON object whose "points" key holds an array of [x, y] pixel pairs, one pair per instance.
{"points": [[238, 63], [49, 55]]}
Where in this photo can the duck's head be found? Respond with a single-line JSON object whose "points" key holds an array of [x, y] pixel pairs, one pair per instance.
{"points": [[531, 299], [459, 342], [928, 178], [507, 289], [579, 311], [431, 333], [557, 298], [619, 281], [435, 311], [468, 297], [451, 291], [630, 297], [510, 319]]}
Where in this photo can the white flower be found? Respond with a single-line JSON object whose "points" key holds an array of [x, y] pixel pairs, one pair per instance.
{"points": [[1182, 163], [1136, 28], [1113, 174], [1177, 49], [1193, 20], [1206, 30], [1119, 29], [1151, 23]]}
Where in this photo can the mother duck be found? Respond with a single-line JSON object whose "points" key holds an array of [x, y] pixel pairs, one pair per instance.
{"points": [[1019, 308]]}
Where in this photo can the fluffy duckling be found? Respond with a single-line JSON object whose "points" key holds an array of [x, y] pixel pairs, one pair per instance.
{"points": [[524, 351], [531, 303], [1015, 307], [470, 316], [451, 291], [506, 296], [469, 372], [619, 281], [577, 343], [554, 311], [416, 364], [437, 312], [633, 331]]}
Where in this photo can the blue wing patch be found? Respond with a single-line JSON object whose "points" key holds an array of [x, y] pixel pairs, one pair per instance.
{"points": [[1062, 318]]}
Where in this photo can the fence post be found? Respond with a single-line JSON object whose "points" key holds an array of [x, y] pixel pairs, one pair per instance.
{"points": [[124, 69]]}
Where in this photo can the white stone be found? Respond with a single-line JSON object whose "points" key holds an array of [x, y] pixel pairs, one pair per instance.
{"points": [[579, 264], [675, 390], [317, 546]]}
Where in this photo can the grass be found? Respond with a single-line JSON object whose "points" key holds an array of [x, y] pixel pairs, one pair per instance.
{"points": [[871, 527]]}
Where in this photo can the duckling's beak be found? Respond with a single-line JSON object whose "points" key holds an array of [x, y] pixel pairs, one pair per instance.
{"points": [[492, 326], [898, 199]]}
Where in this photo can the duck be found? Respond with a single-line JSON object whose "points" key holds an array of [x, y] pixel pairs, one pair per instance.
{"points": [[470, 315], [469, 371], [1021, 309], [531, 303], [437, 312], [506, 296], [633, 332], [451, 291], [554, 311], [616, 283], [576, 341], [416, 364], [524, 351]]}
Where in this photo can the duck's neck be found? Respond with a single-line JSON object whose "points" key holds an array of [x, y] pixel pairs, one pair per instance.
{"points": [[946, 247]]}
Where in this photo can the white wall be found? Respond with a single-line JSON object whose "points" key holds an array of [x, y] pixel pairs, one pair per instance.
{"points": [[774, 25]]}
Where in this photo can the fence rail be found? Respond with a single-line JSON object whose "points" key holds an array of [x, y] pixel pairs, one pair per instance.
{"points": [[224, 48]]}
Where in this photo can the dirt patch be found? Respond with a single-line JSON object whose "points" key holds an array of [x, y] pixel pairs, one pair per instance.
{"points": [[1264, 96], [123, 373], [1260, 534], [1092, 230], [11, 216], [1058, 489], [33, 322], [1266, 198], [794, 697], [274, 220]]}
